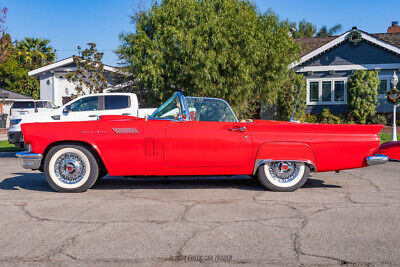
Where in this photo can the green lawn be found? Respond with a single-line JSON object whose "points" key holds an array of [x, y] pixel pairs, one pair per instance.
{"points": [[386, 137], [5, 146]]}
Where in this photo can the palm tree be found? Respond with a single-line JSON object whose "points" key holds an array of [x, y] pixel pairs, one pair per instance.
{"points": [[35, 51], [325, 32]]}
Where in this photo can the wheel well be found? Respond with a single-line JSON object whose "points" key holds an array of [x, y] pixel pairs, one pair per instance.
{"points": [[79, 143], [260, 162]]}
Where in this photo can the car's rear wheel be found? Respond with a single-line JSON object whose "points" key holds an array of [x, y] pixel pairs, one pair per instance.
{"points": [[70, 168], [283, 176]]}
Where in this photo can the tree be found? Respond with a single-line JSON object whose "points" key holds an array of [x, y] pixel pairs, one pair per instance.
{"points": [[6, 47], [325, 32], [14, 77], [305, 29], [290, 94], [362, 94], [5, 41], [14, 66], [89, 76], [216, 48], [35, 52]]}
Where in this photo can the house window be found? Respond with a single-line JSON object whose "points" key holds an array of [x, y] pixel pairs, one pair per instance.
{"points": [[382, 89], [326, 91], [314, 91], [339, 90]]}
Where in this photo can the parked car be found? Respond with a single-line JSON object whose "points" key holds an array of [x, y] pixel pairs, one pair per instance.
{"points": [[195, 136], [24, 107], [84, 108]]}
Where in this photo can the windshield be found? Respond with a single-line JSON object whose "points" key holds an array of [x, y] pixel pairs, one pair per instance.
{"points": [[199, 109], [209, 109], [169, 110], [27, 104]]}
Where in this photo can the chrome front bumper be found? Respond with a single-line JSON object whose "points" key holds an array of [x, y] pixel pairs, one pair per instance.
{"points": [[377, 159], [30, 160]]}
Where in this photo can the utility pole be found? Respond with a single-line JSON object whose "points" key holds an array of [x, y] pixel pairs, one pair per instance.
{"points": [[394, 80]]}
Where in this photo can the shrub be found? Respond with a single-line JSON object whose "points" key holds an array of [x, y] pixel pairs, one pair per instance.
{"points": [[362, 94], [327, 117], [310, 118], [378, 119], [288, 95]]}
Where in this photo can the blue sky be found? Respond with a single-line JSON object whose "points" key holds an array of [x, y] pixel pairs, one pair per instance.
{"points": [[70, 23]]}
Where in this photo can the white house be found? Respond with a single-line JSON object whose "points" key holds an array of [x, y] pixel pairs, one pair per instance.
{"points": [[54, 85]]}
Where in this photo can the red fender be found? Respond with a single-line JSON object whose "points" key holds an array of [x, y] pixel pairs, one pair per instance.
{"points": [[289, 151], [390, 149]]}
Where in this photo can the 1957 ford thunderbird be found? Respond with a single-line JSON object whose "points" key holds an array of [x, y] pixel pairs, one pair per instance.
{"points": [[194, 136]]}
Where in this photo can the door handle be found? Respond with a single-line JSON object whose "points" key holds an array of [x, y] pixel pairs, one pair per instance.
{"points": [[93, 116], [237, 129]]}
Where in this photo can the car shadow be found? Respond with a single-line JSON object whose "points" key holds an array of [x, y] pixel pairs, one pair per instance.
{"points": [[34, 181], [316, 183], [37, 182], [8, 154]]}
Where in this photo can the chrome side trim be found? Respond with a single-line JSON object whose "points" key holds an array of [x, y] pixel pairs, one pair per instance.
{"points": [[377, 159], [260, 162], [30, 160]]}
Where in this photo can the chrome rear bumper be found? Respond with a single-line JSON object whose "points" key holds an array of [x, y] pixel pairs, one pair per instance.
{"points": [[30, 160], [377, 159]]}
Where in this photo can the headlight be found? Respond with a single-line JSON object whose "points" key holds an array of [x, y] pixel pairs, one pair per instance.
{"points": [[15, 121]]}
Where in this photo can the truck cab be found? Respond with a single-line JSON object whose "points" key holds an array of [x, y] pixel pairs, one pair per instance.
{"points": [[84, 108]]}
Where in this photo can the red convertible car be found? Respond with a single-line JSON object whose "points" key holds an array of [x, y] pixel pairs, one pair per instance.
{"points": [[194, 136]]}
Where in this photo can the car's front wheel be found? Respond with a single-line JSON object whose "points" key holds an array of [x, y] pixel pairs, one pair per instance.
{"points": [[283, 176], [70, 168]]}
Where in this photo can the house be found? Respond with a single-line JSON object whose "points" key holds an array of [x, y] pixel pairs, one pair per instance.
{"points": [[54, 85], [7, 98], [327, 63]]}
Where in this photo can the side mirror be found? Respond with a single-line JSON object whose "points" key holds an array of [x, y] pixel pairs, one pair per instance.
{"points": [[67, 109]]}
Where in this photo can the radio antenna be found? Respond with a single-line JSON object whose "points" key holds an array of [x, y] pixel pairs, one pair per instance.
{"points": [[295, 106]]}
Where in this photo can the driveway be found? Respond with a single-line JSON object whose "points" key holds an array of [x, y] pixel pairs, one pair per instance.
{"points": [[352, 217]]}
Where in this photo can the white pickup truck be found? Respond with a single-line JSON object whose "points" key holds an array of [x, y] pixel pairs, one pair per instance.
{"points": [[84, 108]]}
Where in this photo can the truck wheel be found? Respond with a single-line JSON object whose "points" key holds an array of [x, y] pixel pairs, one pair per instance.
{"points": [[283, 176], [70, 168]]}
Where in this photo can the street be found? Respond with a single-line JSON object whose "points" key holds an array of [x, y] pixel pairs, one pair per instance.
{"points": [[346, 218]]}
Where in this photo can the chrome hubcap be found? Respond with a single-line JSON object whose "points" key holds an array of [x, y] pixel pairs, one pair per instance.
{"points": [[70, 168], [284, 171]]}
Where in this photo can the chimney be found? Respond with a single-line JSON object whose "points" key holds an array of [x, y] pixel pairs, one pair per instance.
{"points": [[395, 28]]}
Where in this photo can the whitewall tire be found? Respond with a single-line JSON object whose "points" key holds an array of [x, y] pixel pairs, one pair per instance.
{"points": [[70, 168], [283, 176]]}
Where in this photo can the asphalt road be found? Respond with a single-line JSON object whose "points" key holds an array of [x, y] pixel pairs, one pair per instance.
{"points": [[352, 217]]}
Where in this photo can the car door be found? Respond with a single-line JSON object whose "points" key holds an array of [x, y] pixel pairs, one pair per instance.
{"points": [[200, 144], [132, 146], [118, 105], [83, 109]]}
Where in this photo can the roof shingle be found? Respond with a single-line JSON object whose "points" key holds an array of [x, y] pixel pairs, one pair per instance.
{"points": [[309, 44]]}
